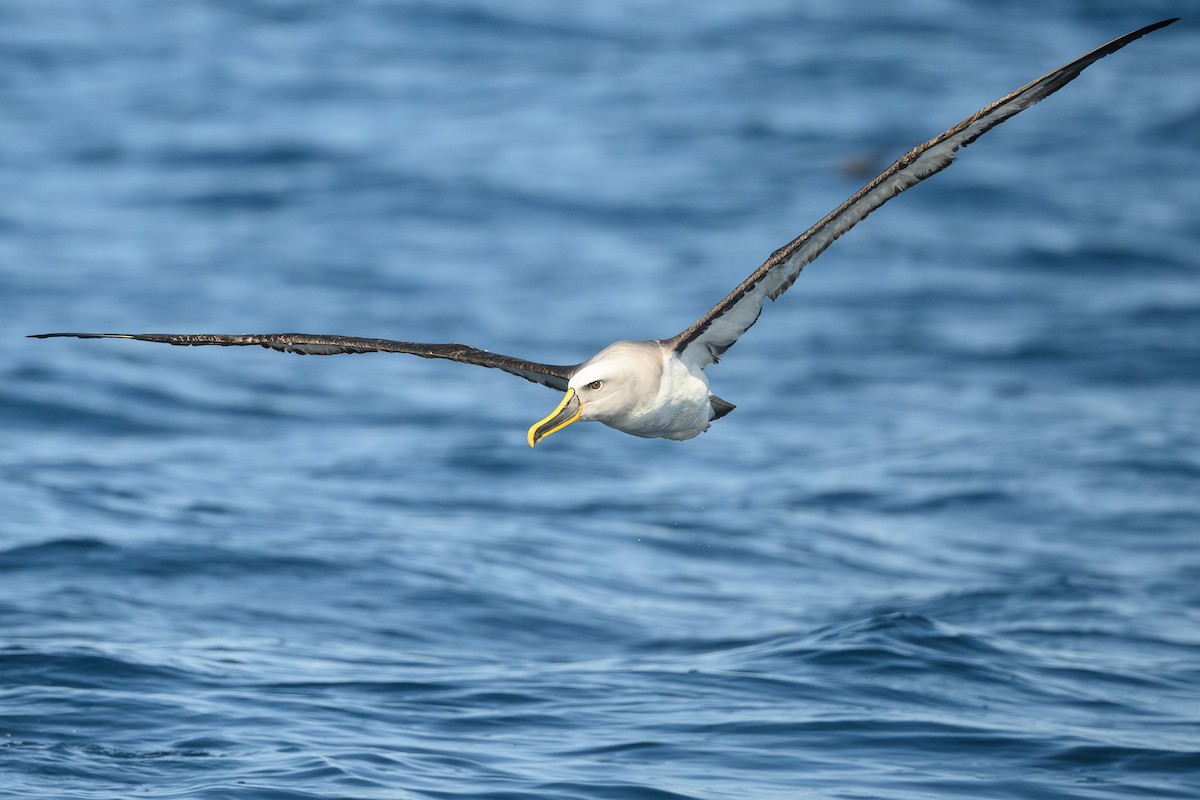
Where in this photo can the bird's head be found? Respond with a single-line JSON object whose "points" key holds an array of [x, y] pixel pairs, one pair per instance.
{"points": [[610, 387]]}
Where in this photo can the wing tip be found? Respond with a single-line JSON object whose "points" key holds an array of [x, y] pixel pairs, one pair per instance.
{"points": [[1138, 33], [80, 335]]}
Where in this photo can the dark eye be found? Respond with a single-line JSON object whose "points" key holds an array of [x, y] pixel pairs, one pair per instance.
{"points": [[594, 385]]}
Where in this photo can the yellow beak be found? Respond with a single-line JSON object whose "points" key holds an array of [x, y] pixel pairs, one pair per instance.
{"points": [[568, 411]]}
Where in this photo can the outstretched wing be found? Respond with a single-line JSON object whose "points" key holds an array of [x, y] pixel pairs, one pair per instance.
{"points": [[551, 375], [711, 335]]}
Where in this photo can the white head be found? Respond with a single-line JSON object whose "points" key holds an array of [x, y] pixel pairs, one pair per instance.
{"points": [[610, 387]]}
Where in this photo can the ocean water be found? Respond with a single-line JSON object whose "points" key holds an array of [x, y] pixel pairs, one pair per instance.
{"points": [[948, 546]]}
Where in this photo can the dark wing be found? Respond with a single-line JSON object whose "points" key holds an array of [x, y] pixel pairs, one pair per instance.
{"points": [[717, 330], [555, 377]]}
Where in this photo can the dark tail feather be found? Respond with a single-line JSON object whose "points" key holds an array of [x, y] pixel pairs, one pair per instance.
{"points": [[719, 407]]}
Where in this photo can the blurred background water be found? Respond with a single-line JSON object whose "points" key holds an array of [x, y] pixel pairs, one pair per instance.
{"points": [[947, 546]]}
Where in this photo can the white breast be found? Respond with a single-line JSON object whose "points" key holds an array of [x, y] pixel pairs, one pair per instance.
{"points": [[680, 409]]}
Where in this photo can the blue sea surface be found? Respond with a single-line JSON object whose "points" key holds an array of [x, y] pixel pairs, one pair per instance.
{"points": [[948, 545]]}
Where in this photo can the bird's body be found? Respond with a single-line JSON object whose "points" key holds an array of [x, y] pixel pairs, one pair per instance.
{"points": [[646, 389], [657, 388]]}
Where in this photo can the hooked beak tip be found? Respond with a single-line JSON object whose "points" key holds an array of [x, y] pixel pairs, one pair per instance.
{"points": [[568, 411]]}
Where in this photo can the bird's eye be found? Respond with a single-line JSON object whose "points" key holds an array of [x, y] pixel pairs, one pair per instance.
{"points": [[594, 385]]}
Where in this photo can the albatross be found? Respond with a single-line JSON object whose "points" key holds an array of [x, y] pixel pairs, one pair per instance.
{"points": [[657, 388]]}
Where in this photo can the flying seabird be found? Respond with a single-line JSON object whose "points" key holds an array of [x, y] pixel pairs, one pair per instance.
{"points": [[657, 387]]}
